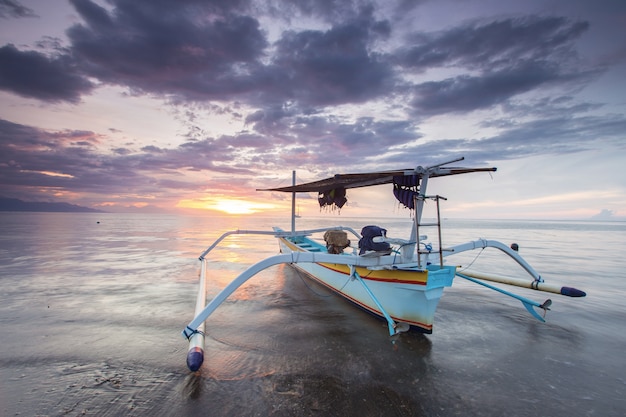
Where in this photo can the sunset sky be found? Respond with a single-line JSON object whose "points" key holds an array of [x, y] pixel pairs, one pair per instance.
{"points": [[165, 105]]}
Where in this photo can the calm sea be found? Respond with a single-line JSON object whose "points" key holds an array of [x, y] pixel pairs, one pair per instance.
{"points": [[92, 306]]}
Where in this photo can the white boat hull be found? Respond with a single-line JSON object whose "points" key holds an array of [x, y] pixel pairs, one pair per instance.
{"points": [[407, 296]]}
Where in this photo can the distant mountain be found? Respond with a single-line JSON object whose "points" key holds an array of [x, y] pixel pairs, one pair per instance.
{"points": [[13, 204]]}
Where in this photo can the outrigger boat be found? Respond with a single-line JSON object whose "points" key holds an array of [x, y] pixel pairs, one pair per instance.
{"points": [[400, 280]]}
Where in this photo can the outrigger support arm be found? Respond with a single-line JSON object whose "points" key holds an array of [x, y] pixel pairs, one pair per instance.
{"points": [[485, 243], [529, 304], [537, 284], [275, 234], [294, 257]]}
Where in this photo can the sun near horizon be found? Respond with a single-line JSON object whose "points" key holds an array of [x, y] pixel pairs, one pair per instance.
{"points": [[233, 206]]}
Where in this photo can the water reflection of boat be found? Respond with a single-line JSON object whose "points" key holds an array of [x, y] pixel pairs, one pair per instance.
{"points": [[400, 280]]}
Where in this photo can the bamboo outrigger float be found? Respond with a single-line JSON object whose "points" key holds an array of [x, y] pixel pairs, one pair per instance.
{"points": [[400, 280]]}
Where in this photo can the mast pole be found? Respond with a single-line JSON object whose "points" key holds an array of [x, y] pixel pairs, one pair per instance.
{"points": [[293, 203], [421, 197], [418, 203]]}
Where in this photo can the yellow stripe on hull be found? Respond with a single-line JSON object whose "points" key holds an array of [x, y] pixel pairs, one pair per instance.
{"points": [[387, 275], [396, 276]]}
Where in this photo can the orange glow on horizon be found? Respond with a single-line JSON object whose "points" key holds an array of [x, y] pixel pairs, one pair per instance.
{"points": [[226, 205]]}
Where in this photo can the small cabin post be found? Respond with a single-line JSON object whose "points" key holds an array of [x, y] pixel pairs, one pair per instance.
{"points": [[418, 203], [293, 203]]}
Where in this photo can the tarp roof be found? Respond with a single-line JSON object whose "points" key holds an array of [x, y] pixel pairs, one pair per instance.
{"points": [[372, 178]]}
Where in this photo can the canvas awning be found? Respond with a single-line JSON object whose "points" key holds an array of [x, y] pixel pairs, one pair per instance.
{"points": [[368, 179]]}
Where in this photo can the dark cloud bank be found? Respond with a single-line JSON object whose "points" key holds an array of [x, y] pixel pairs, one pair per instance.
{"points": [[215, 52]]}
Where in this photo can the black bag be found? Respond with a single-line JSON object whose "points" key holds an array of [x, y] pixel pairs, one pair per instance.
{"points": [[366, 243]]}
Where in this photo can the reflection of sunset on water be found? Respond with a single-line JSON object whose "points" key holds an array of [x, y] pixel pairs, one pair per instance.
{"points": [[264, 283], [235, 255]]}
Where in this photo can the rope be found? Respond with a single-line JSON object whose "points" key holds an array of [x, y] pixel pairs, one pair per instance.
{"points": [[474, 260], [190, 332]]}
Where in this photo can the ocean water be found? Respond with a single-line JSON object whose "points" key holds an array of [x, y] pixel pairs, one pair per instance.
{"points": [[92, 306]]}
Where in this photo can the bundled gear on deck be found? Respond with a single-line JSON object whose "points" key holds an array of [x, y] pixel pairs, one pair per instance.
{"points": [[336, 241], [367, 244]]}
